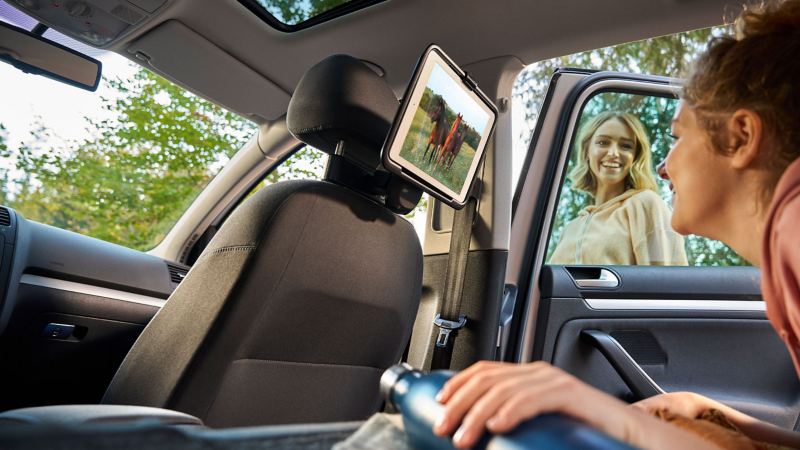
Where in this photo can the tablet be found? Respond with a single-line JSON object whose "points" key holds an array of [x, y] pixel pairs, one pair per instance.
{"points": [[440, 132]]}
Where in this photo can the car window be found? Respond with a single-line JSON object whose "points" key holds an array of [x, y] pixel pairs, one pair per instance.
{"points": [[613, 208], [667, 55], [309, 163], [120, 164]]}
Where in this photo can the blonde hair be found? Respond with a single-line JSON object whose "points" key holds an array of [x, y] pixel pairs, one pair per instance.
{"points": [[641, 175], [755, 69]]}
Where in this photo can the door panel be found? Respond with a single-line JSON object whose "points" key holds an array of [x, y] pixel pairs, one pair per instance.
{"points": [[74, 307], [725, 350], [740, 362], [722, 351]]}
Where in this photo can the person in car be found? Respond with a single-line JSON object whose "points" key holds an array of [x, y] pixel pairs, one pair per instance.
{"points": [[628, 223], [735, 172]]}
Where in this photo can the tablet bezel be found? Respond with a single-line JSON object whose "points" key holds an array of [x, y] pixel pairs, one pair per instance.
{"points": [[392, 160]]}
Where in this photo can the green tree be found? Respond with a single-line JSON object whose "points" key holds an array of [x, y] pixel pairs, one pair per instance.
{"points": [[293, 12], [130, 180], [668, 55]]}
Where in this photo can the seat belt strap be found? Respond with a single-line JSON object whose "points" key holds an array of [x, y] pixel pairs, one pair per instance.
{"points": [[450, 319]]}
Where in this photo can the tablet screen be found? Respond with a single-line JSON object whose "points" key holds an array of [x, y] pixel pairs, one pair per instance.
{"points": [[443, 131]]}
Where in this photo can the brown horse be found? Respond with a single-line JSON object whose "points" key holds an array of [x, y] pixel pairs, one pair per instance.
{"points": [[451, 143], [439, 129], [456, 148]]}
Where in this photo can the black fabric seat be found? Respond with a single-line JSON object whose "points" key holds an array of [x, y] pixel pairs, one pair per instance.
{"points": [[308, 291]]}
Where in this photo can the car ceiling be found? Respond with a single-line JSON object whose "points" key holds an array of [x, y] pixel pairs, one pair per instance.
{"points": [[268, 63]]}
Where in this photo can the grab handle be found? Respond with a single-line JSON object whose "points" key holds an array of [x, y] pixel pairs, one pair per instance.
{"points": [[637, 380]]}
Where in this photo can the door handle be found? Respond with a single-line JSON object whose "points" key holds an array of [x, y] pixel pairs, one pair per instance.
{"points": [[605, 278], [637, 380]]}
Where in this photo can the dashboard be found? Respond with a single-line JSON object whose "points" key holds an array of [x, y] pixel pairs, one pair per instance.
{"points": [[71, 306]]}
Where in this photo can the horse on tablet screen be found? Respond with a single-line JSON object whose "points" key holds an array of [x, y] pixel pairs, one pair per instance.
{"points": [[438, 134], [455, 147], [452, 144]]}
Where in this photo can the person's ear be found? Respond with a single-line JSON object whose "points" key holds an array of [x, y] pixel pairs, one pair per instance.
{"points": [[745, 136]]}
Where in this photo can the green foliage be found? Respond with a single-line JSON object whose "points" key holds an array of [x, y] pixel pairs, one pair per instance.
{"points": [[669, 55], [135, 174], [307, 163], [293, 12], [427, 97]]}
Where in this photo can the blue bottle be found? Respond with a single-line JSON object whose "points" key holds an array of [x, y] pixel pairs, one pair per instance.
{"points": [[413, 394]]}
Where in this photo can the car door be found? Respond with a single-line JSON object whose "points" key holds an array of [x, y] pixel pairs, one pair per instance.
{"points": [[635, 330]]}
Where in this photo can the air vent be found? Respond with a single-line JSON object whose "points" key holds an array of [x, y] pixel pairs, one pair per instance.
{"points": [[5, 217], [177, 273]]}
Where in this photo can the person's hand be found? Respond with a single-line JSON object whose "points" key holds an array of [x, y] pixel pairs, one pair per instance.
{"points": [[498, 396], [686, 404]]}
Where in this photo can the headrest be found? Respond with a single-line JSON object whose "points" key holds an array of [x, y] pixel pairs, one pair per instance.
{"points": [[342, 99]]}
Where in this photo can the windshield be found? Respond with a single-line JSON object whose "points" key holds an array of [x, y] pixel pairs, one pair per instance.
{"points": [[120, 164]]}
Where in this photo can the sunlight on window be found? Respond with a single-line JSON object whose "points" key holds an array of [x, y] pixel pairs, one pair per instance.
{"points": [[120, 164]]}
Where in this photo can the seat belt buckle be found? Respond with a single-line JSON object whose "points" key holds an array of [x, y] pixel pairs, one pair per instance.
{"points": [[446, 327]]}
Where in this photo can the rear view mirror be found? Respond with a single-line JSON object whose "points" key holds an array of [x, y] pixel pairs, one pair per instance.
{"points": [[34, 54]]}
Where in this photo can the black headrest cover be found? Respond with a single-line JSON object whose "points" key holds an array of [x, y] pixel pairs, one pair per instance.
{"points": [[342, 99]]}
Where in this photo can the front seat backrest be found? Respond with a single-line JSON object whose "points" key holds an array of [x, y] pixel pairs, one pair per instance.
{"points": [[305, 295]]}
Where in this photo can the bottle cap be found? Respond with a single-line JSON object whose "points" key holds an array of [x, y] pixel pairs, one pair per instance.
{"points": [[389, 380]]}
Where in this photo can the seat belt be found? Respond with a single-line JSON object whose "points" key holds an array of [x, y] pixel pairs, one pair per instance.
{"points": [[450, 319]]}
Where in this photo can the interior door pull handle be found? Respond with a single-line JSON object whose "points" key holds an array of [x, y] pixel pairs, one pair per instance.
{"points": [[638, 381], [606, 279]]}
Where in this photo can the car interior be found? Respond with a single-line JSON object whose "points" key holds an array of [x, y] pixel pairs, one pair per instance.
{"points": [[279, 311]]}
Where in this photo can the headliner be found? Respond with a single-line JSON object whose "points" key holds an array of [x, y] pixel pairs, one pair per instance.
{"points": [[394, 33]]}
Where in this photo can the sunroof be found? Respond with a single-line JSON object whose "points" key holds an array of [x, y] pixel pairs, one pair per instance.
{"points": [[293, 15]]}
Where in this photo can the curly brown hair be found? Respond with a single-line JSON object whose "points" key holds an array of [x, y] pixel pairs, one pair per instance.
{"points": [[758, 69]]}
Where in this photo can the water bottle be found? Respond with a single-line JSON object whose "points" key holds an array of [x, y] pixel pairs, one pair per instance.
{"points": [[413, 393]]}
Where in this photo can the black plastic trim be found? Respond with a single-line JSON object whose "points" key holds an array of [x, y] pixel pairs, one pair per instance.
{"points": [[635, 378], [537, 131]]}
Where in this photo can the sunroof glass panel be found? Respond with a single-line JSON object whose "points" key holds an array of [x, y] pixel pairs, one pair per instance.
{"points": [[293, 12]]}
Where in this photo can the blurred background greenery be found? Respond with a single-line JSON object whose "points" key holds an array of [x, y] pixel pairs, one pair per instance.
{"points": [[132, 175]]}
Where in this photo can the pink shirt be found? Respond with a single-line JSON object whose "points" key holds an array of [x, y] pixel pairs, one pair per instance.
{"points": [[780, 261]]}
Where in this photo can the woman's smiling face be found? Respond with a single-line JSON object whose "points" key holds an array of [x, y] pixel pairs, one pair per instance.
{"points": [[612, 149], [697, 176]]}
